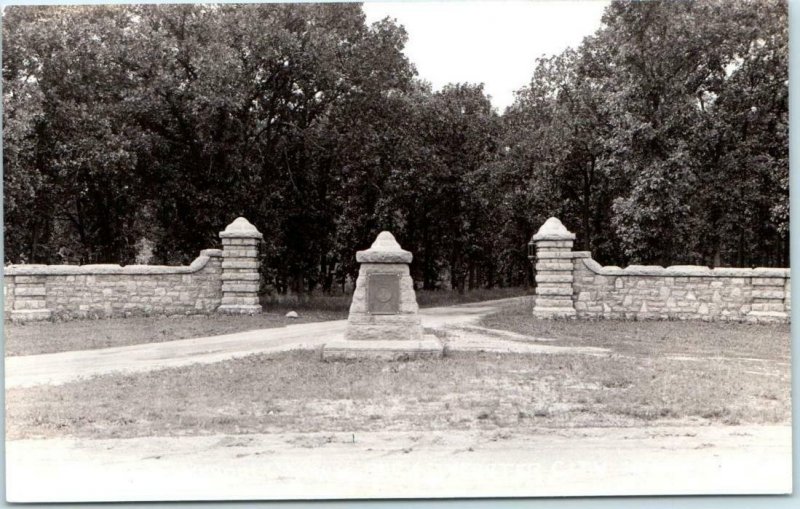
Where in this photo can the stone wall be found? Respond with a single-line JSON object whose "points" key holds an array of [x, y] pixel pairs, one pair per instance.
{"points": [[680, 292], [37, 292], [222, 280], [652, 292]]}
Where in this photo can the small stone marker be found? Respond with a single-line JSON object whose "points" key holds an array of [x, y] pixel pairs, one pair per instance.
{"points": [[292, 314], [384, 319]]}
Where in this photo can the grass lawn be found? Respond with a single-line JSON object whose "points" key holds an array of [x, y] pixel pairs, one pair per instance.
{"points": [[49, 337], [651, 339], [658, 373]]}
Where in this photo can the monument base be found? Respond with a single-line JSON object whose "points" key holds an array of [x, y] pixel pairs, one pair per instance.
{"points": [[384, 328], [239, 309], [342, 349]]}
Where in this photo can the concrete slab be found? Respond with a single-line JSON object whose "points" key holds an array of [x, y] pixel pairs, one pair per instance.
{"points": [[430, 347]]}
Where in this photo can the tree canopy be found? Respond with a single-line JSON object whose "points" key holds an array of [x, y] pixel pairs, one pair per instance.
{"points": [[662, 138]]}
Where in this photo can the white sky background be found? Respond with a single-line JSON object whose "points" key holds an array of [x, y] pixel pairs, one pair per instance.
{"points": [[491, 42]]}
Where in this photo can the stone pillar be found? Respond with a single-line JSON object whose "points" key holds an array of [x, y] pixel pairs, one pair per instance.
{"points": [[554, 268], [769, 297], [384, 319], [29, 297], [787, 299], [240, 277]]}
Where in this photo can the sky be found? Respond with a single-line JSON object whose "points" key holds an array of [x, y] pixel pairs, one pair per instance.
{"points": [[491, 42]]}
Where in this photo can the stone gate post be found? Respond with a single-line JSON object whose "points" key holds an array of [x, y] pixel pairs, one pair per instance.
{"points": [[553, 271], [240, 277]]}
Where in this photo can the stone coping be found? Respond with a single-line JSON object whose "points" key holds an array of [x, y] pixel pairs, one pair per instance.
{"points": [[108, 268], [679, 270], [370, 256]]}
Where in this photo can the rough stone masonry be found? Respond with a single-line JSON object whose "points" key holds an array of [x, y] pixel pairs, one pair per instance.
{"points": [[223, 280], [240, 276], [384, 319], [571, 284]]}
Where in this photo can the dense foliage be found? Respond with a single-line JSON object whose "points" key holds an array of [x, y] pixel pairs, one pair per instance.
{"points": [[139, 130]]}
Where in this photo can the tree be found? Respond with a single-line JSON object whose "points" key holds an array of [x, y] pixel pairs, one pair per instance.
{"points": [[653, 138], [72, 156], [665, 106], [662, 138]]}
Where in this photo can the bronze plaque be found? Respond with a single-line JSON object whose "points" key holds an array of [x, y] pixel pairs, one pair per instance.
{"points": [[383, 294]]}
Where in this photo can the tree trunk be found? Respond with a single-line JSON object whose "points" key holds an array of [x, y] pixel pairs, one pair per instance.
{"points": [[588, 181], [471, 275]]}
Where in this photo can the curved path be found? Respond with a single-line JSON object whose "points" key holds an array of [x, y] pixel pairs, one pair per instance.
{"points": [[63, 367]]}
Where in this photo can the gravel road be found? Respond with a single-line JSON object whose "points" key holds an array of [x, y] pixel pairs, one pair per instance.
{"points": [[557, 462]]}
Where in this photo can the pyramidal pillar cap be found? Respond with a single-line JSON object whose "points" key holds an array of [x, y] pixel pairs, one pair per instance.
{"points": [[385, 249], [240, 228], [552, 229]]}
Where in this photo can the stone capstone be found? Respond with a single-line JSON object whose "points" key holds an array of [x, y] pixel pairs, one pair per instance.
{"points": [[552, 229], [385, 249], [240, 228]]}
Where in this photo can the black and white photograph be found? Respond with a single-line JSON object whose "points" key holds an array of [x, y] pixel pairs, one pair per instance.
{"points": [[396, 250]]}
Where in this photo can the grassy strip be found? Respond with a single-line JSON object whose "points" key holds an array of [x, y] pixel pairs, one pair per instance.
{"points": [[49, 337], [296, 392], [652, 338]]}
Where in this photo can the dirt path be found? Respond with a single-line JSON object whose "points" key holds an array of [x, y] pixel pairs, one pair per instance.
{"points": [[576, 462], [471, 338], [62, 367]]}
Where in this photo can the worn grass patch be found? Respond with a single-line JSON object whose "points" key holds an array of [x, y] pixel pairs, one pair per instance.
{"points": [[295, 392], [49, 337]]}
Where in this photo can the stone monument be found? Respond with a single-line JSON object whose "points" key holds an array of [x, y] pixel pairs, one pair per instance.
{"points": [[384, 319]]}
